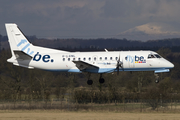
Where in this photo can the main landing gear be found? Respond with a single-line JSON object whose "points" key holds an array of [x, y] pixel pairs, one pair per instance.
{"points": [[101, 80], [90, 82]]}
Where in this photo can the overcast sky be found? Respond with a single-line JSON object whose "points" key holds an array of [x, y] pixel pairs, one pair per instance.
{"points": [[87, 18]]}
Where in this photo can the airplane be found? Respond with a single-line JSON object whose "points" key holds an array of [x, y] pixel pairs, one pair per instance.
{"points": [[27, 55]]}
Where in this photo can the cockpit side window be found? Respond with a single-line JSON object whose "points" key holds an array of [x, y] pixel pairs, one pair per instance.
{"points": [[151, 56], [158, 56]]}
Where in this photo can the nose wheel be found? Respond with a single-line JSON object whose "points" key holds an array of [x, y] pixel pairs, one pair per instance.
{"points": [[156, 81], [156, 78]]}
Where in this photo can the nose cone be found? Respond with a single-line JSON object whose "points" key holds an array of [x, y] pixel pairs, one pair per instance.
{"points": [[167, 64], [170, 65]]}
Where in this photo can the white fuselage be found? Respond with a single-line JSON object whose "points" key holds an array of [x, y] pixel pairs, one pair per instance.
{"points": [[106, 61]]}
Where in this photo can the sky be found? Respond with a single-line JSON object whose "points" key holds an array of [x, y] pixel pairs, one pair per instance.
{"points": [[89, 18]]}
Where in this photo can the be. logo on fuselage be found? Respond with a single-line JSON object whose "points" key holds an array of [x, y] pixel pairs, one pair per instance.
{"points": [[45, 58], [135, 59]]}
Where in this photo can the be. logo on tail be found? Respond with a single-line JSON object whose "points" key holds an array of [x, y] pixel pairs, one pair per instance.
{"points": [[37, 56]]}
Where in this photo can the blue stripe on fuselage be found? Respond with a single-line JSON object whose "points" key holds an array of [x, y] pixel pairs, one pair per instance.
{"points": [[106, 70]]}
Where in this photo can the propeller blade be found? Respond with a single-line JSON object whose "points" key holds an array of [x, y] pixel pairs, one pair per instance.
{"points": [[117, 70], [119, 64]]}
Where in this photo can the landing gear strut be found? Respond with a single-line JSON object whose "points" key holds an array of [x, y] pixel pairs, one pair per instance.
{"points": [[156, 78], [101, 80], [89, 82]]}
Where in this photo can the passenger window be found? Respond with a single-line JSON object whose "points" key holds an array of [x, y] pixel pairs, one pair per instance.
{"points": [[63, 59], [73, 58], [89, 59], [126, 58], [84, 59], [79, 59], [100, 58], [69, 59], [94, 58], [105, 58], [116, 58], [110, 58]]}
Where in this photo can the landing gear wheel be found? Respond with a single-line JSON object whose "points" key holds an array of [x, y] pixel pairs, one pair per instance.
{"points": [[101, 80], [89, 82], [156, 78], [156, 81]]}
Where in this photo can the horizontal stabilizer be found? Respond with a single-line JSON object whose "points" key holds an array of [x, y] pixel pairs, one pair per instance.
{"points": [[23, 66], [21, 55]]}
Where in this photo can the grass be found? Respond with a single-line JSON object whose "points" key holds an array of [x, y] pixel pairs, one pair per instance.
{"points": [[73, 111], [82, 115]]}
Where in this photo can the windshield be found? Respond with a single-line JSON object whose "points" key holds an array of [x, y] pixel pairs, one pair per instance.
{"points": [[151, 56], [154, 56], [158, 56]]}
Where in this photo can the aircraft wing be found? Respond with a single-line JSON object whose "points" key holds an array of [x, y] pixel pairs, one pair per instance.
{"points": [[81, 65]]}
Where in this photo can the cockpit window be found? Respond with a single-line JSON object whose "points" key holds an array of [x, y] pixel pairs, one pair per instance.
{"points": [[154, 56], [158, 56], [151, 56]]}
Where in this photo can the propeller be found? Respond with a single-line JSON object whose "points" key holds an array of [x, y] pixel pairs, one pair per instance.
{"points": [[119, 65]]}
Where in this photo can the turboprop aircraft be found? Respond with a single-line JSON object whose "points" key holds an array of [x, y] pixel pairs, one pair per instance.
{"points": [[25, 54]]}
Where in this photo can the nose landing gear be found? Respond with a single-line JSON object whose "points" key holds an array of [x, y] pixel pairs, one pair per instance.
{"points": [[156, 81], [156, 78]]}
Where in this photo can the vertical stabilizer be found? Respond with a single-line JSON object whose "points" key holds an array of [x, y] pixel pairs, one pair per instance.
{"points": [[17, 41]]}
